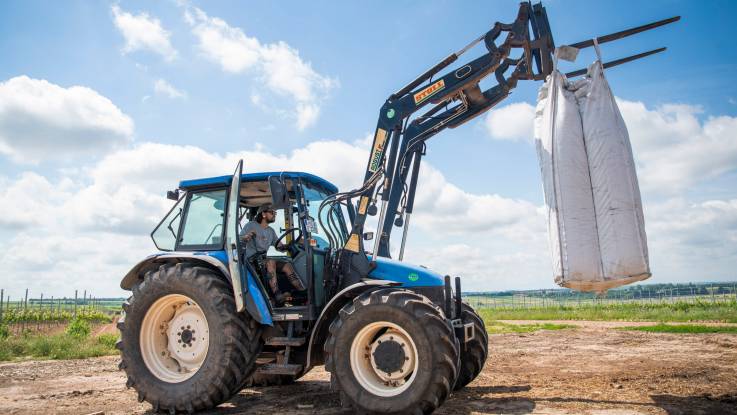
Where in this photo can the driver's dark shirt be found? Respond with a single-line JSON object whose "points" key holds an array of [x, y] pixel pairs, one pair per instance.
{"points": [[265, 237]]}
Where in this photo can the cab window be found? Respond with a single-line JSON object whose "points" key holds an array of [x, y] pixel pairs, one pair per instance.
{"points": [[165, 234], [331, 219], [203, 223]]}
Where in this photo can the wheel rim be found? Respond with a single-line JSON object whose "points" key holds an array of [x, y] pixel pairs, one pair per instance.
{"points": [[174, 338], [384, 358]]}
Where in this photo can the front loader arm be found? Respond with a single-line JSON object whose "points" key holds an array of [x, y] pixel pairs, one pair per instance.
{"points": [[399, 140], [396, 144]]}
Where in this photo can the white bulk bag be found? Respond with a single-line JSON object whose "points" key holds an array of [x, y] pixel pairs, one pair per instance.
{"points": [[570, 206], [595, 221]]}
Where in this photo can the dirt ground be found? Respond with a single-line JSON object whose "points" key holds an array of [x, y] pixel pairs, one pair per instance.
{"points": [[593, 369]]}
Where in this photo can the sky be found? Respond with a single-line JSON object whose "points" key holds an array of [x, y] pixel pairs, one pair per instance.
{"points": [[104, 106]]}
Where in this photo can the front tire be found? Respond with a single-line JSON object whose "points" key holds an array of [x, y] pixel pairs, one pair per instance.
{"points": [[183, 345], [392, 351], [475, 351]]}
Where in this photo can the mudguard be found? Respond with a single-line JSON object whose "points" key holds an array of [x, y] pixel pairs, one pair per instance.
{"points": [[256, 304]]}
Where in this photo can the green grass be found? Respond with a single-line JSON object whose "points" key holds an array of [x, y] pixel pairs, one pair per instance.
{"points": [[57, 346], [498, 327], [683, 328], [33, 315], [679, 311]]}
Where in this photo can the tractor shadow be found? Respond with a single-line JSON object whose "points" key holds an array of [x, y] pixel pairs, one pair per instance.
{"points": [[481, 399], [699, 404], [302, 397], [311, 397]]}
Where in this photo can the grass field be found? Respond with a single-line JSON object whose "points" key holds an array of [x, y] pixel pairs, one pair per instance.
{"points": [[498, 327], [57, 346], [663, 312], [75, 342], [683, 328]]}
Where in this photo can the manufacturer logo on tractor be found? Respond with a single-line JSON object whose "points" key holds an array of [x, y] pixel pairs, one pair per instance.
{"points": [[378, 150], [429, 91], [413, 276]]}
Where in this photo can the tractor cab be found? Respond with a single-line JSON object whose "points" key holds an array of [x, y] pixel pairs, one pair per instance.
{"points": [[209, 216]]}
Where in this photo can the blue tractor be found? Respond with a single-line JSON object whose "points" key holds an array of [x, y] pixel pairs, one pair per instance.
{"points": [[202, 322]]}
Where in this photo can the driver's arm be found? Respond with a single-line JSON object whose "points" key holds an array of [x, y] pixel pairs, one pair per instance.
{"points": [[280, 246]]}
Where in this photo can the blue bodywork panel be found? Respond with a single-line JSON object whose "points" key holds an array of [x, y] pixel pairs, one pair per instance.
{"points": [[407, 274], [254, 293], [253, 177]]}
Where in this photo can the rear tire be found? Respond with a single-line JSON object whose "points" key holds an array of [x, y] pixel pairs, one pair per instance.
{"points": [[232, 342], [391, 351], [475, 352]]}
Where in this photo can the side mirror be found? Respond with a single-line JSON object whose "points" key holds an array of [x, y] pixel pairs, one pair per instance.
{"points": [[367, 236], [172, 194], [279, 195]]}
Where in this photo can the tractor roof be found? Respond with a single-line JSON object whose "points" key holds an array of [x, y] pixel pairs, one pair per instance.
{"points": [[252, 177]]}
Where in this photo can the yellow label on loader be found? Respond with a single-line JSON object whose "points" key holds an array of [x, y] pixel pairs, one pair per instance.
{"points": [[429, 91], [378, 151], [363, 203], [352, 244]]}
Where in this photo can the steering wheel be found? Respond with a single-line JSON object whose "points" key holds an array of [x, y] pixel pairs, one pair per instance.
{"points": [[290, 247]]}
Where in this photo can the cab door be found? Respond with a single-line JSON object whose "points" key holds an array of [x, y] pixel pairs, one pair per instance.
{"points": [[232, 242]]}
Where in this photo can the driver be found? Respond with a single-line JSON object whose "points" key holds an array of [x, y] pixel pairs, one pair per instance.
{"points": [[258, 237]]}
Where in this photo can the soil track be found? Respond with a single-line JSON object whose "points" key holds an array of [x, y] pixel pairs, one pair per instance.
{"points": [[592, 369]]}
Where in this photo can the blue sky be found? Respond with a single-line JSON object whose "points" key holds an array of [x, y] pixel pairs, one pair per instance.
{"points": [[173, 100]]}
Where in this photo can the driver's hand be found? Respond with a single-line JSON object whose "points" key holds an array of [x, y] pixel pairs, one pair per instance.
{"points": [[281, 247], [250, 235]]}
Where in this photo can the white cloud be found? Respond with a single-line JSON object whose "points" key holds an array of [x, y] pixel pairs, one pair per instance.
{"points": [[161, 86], [487, 265], [120, 199], [57, 263], [307, 114], [693, 240], [40, 120], [143, 32], [277, 65], [511, 122], [222, 44], [443, 206], [25, 200], [104, 213], [673, 148]]}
